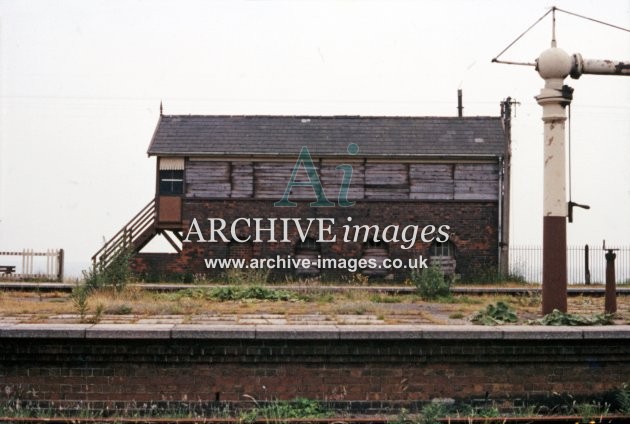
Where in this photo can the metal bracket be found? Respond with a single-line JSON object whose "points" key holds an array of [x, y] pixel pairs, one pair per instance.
{"points": [[572, 204]]}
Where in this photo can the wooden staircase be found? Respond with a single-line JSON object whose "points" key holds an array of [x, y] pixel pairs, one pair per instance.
{"points": [[135, 235]]}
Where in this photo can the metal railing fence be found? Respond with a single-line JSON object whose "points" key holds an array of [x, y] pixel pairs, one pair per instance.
{"points": [[526, 261]]}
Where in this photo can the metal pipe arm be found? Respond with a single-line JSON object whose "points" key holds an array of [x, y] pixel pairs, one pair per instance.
{"points": [[583, 66]]}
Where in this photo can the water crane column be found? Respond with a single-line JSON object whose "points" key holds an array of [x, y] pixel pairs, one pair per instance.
{"points": [[554, 65]]}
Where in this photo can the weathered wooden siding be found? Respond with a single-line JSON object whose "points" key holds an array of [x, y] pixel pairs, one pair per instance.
{"points": [[476, 181], [208, 179], [332, 178], [370, 180], [431, 181], [386, 180], [271, 179], [242, 180]]}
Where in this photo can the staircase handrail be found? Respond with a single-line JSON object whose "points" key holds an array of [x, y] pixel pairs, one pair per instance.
{"points": [[127, 234]]}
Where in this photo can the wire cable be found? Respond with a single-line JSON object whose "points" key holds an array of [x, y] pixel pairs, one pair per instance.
{"points": [[553, 9], [496, 58], [593, 20]]}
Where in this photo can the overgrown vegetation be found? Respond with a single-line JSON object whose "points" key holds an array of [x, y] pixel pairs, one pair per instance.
{"points": [[359, 279], [431, 283], [495, 314], [246, 277], [16, 404], [622, 398], [561, 318], [565, 405], [295, 303], [386, 298], [491, 275], [80, 300], [590, 411], [79, 296], [281, 410], [116, 274], [432, 411], [234, 293]]}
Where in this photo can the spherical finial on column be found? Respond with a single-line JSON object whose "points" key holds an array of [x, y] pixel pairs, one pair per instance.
{"points": [[554, 63]]}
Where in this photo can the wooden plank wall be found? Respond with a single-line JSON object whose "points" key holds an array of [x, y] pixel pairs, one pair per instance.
{"points": [[331, 179], [370, 180], [208, 179]]}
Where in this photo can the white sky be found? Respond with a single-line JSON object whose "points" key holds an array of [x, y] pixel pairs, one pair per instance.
{"points": [[81, 82]]}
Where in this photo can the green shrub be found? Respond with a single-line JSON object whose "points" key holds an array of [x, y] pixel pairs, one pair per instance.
{"points": [[431, 283], [80, 295], [252, 292], [431, 412], [622, 397], [116, 274], [231, 293], [497, 314], [590, 411], [299, 408], [561, 318]]}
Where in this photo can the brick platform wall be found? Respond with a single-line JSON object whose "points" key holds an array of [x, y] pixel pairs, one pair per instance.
{"points": [[473, 233], [357, 365]]}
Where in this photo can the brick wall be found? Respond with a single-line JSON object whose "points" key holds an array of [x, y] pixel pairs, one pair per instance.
{"points": [[473, 232], [353, 368]]}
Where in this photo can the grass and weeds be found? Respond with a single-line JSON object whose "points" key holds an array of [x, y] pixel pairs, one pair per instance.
{"points": [[459, 300], [80, 295], [103, 298], [622, 399], [386, 298], [490, 275], [116, 273], [238, 293], [249, 277], [251, 410], [279, 410], [130, 303]]}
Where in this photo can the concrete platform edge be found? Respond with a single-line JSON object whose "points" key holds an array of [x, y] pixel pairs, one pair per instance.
{"points": [[304, 332]]}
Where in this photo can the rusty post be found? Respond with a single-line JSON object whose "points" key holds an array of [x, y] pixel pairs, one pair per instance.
{"points": [[587, 271], [60, 258], [610, 305]]}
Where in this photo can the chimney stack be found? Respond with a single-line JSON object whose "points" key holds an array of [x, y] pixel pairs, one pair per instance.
{"points": [[460, 107]]}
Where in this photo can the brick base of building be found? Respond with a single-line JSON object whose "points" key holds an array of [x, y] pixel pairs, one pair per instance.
{"points": [[472, 231]]}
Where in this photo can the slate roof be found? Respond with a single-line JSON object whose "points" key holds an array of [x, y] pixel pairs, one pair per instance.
{"points": [[195, 135]]}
